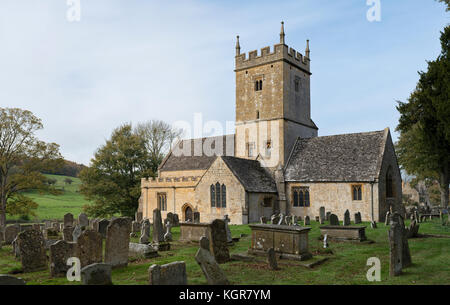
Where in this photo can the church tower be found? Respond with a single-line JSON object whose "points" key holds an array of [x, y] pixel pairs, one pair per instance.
{"points": [[273, 104]]}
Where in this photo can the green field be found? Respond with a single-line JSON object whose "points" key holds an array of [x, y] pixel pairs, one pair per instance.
{"points": [[346, 265], [55, 206]]}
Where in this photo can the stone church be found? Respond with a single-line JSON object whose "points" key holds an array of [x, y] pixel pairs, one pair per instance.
{"points": [[275, 161]]}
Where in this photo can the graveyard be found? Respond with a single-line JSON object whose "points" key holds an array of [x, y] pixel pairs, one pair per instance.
{"points": [[342, 262]]}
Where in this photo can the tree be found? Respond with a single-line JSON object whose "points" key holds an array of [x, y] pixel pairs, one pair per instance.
{"points": [[446, 2], [158, 137], [424, 124], [68, 181], [22, 159], [113, 180]]}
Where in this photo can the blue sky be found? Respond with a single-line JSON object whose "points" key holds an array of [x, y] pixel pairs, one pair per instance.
{"points": [[132, 61]]}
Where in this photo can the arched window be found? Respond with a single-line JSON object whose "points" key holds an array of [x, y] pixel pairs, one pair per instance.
{"points": [[389, 184], [357, 192], [260, 85], [295, 199], [213, 195], [301, 199], [224, 196], [306, 198], [218, 195]]}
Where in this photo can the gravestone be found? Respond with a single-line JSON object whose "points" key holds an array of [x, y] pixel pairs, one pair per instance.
{"points": [[210, 268], [388, 218], [406, 254], [32, 250], [36, 227], [327, 216], [307, 221], [68, 234], [47, 224], [168, 274], [117, 242], [83, 220], [60, 252], [76, 233], [282, 220], [96, 274], [263, 220], [10, 233], [158, 231], [138, 216], [294, 220], [135, 228], [90, 247], [168, 235], [16, 250], [176, 220], [102, 226], [274, 219], [346, 218], [169, 218], [272, 259], [51, 233], [56, 226], [395, 249], [196, 217], [142, 251], [145, 232], [218, 241], [10, 280], [68, 220], [373, 224], [226, 220], [334, 220], [322, 215], [413, 229], [358, 218], [325, 241], [288, 220], [317, 218]]}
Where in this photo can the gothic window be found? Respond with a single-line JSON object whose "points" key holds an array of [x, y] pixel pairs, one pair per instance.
{"points": [[218, 198], [224, 196], [213, 195], [357, 192], [300, 197], [162, 201], [389, 184]]}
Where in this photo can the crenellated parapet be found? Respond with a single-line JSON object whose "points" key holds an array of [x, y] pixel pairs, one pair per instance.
{"points": [[280, 52], [158, 182]]}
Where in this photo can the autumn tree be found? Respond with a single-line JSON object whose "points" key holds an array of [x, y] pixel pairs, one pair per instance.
{"points": [[22, 159]]}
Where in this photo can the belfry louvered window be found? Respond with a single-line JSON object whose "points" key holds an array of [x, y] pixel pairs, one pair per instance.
{"points": [[300, 197]]}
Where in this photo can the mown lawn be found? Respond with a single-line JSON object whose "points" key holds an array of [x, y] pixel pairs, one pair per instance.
{"points": [[55, 206], [347, 264]]}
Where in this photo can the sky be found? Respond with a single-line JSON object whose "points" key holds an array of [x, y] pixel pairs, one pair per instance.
{"points": [[135, 60]]}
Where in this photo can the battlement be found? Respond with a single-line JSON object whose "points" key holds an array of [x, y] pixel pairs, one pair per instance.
{"points": [[280, 52], [170, 181]]}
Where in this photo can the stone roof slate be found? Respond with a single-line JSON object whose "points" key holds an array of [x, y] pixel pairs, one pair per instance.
{"points": [[337, 158]]}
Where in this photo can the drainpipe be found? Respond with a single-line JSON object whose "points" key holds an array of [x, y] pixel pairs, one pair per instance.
{"points": [[174, 200], [371, 201]]}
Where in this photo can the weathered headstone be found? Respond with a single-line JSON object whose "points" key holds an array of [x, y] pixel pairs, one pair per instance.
{"points": [[68, 220], [169, 218], [218, 238], [272, 259], [47, 224], [282, 220], [83, 220], [16, 250], [196, 217], [294, 220], [395, 249], [60, 252], [138, 216], [307, 221], [96, 274], [158, 231], [76, 233], [145, 232], [388, 218], [322, 215], [327, 216], [176, 220], [226, 220], [357, 218], [10, 233], [288, 220], [117, 242], [373, 224], [346, 218], [334, 220], [274, 219], [10, 280], [102, 225], [51, 233], [135, 228], [90, 247], [32, 250], [168, 274], [141, 250], [263, 220], [68, 234], [406, 254], [210, 268]]}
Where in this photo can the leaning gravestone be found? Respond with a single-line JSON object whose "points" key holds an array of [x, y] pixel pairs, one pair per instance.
{"points": [[90, 247], [68, 220], [145, 232], [226, 220], [10, 280], [210, 268], [83, 220], [10, 233], [346, 218], [322, 215], [307, 221], [406, 254], [60, 252], [76, 233], [168, 274], [96, 274], [334, 220], [357, 218], [117, 242], [32, 250], [68, 234], [218, 245], [102, 225], [395, 249], [272, 259]]}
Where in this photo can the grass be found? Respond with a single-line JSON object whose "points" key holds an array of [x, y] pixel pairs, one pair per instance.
{"points": [[347, 264], [55, 206]]}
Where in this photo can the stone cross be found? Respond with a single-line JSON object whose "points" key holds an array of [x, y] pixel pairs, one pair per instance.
{"points": [[168, 235]]}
